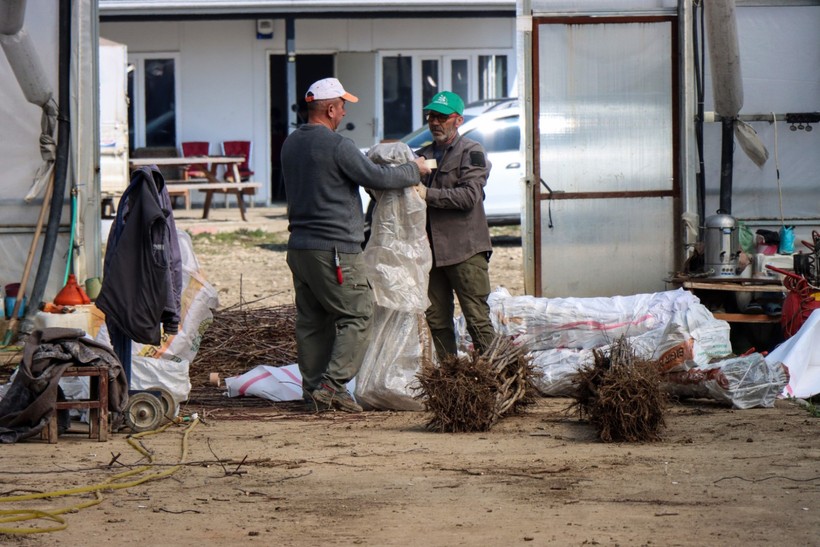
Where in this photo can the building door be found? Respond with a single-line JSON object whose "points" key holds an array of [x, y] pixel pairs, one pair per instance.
{"points": [[153, 88], [357, 74], [283, 116], [607, 191]]}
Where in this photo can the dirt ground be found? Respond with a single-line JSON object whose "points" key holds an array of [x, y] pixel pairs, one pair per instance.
{"points": [[267, 473]]}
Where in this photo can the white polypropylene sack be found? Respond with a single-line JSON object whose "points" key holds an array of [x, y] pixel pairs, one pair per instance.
{"points": [[558, 369], [267, 382], [582, 323], [172, 376], [801, 354], [685, 332], [273, 383], [559, 366]]}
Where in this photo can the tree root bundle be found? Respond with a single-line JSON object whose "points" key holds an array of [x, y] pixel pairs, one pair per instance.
{"points": [[471, 393], [621, 395]]}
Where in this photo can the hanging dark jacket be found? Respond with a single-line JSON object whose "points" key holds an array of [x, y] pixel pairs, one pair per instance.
{"points": [[142, 271]]}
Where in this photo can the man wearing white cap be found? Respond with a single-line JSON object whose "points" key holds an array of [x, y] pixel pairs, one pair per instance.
{"points": [[322, 171]]}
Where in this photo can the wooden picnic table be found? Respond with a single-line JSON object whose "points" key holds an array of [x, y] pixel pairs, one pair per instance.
{"points": [[209, 184]]}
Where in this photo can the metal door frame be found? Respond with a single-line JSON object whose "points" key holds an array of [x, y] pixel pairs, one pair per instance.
{"points": [[542, 192]]}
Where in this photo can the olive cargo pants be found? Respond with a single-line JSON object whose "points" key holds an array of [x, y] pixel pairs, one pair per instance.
{"points": [[470, 281], [332, 319]]}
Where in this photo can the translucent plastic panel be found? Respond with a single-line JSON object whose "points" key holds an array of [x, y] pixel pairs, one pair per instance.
{"points": [[605, 97], [606, 247]]}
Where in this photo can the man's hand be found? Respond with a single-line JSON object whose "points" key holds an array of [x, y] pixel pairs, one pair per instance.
{"points": [[423, 169], [421, 190]]}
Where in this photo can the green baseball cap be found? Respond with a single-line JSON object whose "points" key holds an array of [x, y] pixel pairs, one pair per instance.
{"points": [[446, 102]]}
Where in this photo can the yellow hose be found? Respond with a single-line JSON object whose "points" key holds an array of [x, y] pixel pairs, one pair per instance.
{"points": [[18, 515]]}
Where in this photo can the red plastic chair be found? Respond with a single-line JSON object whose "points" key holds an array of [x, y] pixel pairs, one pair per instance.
{"points": [[196, 148], [238, 148]]}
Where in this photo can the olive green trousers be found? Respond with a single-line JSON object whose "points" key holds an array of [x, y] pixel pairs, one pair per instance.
{"points": [[332, 319], [470, 282]]}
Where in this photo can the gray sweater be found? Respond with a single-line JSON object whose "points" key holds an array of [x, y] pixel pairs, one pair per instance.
{"points": [[323, 171]]}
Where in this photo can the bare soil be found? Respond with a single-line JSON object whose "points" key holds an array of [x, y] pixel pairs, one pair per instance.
{"points": [[269, 473]]}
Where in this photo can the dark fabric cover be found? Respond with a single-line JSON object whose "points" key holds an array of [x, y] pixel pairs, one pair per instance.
{"points": [[29, 403], [142, 274]]}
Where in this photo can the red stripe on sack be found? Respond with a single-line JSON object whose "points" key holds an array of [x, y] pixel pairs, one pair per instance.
{"points": [[252, 381], [604, 326], [295, 378]]}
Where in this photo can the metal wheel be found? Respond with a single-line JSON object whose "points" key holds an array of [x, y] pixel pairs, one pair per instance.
{"points": [[143, 413], [170, 409]]}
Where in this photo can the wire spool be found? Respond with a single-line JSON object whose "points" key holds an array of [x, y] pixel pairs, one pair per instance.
{"points": [[170, 408], [144, 412]]}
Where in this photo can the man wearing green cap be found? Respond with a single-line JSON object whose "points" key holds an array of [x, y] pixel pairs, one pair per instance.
{"points": [[456, 227]]}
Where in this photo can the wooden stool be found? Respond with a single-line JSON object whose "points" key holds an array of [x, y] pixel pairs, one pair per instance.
{"points": [[96, 404]]}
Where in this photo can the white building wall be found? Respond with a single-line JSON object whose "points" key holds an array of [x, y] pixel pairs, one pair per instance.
{"points": [[223, 67]]}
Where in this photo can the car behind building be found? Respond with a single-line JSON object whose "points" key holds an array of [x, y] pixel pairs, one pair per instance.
{"points": [[496, 125]]}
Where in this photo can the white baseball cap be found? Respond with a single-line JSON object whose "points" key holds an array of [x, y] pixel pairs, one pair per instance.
{"points": [[329, 88]]}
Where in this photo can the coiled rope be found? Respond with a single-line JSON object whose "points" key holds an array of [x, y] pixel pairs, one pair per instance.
{"points": [[115, 482]]}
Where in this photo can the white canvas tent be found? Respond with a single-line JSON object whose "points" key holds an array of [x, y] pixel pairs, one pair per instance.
{"points": [[30, 33]]}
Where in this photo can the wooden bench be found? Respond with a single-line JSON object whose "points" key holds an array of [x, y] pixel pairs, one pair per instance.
{"points": [[240, 189]]}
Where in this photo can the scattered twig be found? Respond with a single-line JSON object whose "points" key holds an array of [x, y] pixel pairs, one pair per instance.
{"points": [[810, 479], [241, 337], [295, 477], [225, 469], [236, 471]]}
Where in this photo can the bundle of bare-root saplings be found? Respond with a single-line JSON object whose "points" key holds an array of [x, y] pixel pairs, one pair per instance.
{"points": [[621, 395], [472, 392]]}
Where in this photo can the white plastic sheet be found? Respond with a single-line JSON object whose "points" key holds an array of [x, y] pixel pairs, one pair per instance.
{"points": [[801, 354], [744, 382], [387, 379], [398, 261]]}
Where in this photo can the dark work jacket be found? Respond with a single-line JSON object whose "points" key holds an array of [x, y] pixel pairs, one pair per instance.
{"points": [[142, 273], [456, 222]]}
